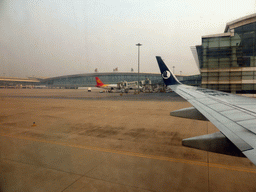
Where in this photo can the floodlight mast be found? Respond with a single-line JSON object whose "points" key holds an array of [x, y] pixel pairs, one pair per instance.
{"points": [[138, 64]]}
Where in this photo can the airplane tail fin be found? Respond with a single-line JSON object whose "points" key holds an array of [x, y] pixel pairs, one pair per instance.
{"points": [[167, 75], [99, 82]]}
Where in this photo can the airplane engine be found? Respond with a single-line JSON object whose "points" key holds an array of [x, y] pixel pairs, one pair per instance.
{"points": [[215, 142], [189, 113]]}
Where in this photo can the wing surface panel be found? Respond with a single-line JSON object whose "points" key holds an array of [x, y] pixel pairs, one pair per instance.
{"points": [[220, 107], [237, 116], [208, 101], [250, 107], [249, 124]]}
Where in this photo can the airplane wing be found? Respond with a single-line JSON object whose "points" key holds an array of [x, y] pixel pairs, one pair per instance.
{"points": [[233, 115]]}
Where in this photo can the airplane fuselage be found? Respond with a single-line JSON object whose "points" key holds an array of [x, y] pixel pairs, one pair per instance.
{"points": [[107, 86]]}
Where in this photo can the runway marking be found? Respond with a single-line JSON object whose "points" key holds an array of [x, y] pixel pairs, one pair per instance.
{"points": [[198, 163]]}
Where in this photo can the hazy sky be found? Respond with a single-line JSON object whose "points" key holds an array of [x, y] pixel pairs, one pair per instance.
{"points": [[53, 38]]}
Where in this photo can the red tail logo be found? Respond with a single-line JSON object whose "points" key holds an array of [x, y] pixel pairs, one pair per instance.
{"points": [[99, 82]]}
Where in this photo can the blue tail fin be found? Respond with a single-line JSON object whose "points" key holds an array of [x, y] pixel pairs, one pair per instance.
{"points": [[167, 75]]}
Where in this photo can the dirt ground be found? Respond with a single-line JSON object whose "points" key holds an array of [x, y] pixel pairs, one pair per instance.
{"points": [[134, 123], [36, 123]]}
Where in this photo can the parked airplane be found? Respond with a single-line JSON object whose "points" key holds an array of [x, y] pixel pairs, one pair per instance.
{"points": [[109, 87], [233, 115], [122, 86]]}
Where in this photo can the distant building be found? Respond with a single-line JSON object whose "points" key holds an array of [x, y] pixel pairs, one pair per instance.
{"points": [[227, 61], [15, 82]]}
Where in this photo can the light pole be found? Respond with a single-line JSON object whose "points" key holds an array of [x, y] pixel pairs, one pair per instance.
{"points": [[173, 69], [138, 64]]}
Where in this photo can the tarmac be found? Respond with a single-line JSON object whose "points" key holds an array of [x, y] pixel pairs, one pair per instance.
{"points": [[74, 140]]}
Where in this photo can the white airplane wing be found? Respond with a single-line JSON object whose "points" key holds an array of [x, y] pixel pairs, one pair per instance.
{"points": [[233, 115]]}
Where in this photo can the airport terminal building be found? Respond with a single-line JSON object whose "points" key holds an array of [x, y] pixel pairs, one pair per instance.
{"points": [[88, 79], [227, 61]]}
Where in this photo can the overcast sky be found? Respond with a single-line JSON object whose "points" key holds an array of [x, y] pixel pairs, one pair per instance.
{"points": [[53, 38]]}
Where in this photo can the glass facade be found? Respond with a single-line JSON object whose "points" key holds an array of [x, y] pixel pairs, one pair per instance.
{"points": [[227, 61], [88, 80]]}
